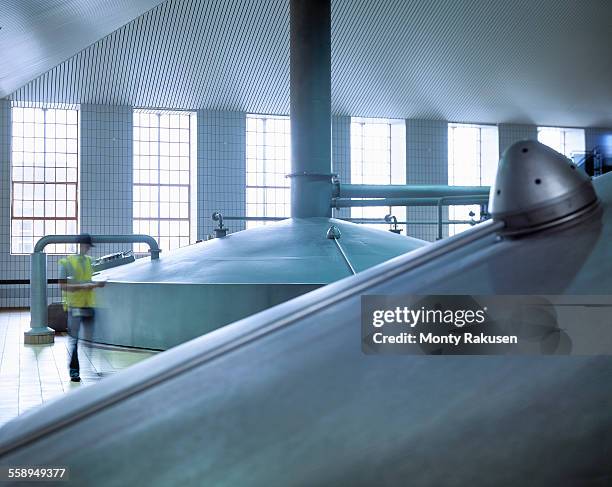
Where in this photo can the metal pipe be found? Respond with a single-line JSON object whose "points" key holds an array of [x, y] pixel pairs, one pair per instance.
{"points": [[135, 238], [39, 332], [450, 200], [407, 191], [310, 100], [334, 234], [344, 256]]}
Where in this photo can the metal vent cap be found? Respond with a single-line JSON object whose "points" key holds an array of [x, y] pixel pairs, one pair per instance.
{"points": [[536, 187]]}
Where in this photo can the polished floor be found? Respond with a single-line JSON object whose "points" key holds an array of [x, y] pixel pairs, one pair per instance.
{"points": [[31, 375]]}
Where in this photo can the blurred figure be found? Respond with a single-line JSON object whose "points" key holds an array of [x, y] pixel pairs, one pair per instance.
{"points": [[79, 298]]}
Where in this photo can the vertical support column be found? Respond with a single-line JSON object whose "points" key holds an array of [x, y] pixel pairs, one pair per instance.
{"points": [[39, 333], [310, 60]]}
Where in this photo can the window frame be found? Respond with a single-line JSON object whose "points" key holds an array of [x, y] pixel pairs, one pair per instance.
{"points": [[190, 186], [396, 136], [564, 131], [455, 228], [55, 249], [266, 172]]}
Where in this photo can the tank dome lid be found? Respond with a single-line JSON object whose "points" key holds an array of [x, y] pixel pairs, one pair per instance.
{"points": [[292, 251], [536, 187]]}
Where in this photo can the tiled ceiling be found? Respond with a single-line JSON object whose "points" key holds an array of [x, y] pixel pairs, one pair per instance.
{"points": [[522, 61]]}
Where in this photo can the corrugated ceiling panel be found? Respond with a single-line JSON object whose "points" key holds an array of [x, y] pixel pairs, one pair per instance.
{"points": [[543, 62], [35, 35], [182, 54]]}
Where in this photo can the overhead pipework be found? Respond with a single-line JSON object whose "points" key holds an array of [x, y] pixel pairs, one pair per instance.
{"points": [[442, 200], [343, 191], [310, 86], [536, 188]]}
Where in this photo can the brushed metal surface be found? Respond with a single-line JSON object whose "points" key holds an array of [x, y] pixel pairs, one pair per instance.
{"points": [[286, 397], [535, 186], [194, 290]]}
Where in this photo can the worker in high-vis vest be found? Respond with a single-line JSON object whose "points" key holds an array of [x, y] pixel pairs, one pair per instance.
{"points": [[76, 273]]}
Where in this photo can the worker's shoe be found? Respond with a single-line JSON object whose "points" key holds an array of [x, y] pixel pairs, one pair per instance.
{"points": [[74, 376]]}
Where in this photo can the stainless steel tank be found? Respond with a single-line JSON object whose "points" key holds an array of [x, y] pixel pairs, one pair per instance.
{"points": [[286, 397], [160, 303], [194, 290]]}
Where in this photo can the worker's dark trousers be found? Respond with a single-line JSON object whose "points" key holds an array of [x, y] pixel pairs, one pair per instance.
{"points": [[80, 323]]}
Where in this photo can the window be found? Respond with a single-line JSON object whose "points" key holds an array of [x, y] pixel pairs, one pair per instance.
{"points": [[473, 153], [44, 166], [268, 142], [563, 140], [378, 156], [164, 171]]}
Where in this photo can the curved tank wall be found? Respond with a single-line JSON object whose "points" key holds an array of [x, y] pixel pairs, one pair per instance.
{"points": [[288, 394], [196, 289]]}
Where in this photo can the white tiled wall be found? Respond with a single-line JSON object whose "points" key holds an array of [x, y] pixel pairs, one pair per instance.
{"points": [[221, 168], [105, 192], [106, 173], [509, 133], [426, 163]]}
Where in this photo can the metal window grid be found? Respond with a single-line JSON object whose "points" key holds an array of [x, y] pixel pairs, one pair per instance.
{"points": [[370, 161], [565, 140], [162, 177], [44, 176], [472, 157], [268, 162]]}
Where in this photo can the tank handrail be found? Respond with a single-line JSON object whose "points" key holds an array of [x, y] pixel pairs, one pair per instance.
{"points": [[179, 360], [446, 200]]}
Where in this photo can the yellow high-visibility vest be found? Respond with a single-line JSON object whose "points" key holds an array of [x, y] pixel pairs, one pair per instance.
{"points": [[79, 270]]}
